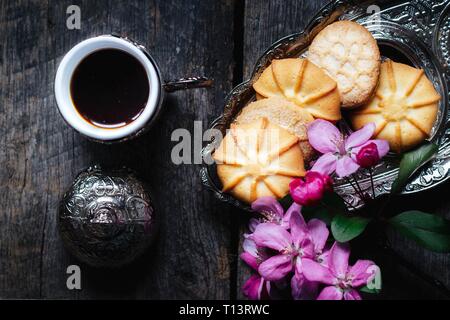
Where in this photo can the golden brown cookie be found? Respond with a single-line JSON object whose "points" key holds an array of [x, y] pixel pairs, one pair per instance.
{"points": [[350, 55], [258, 159], [284, 114], [404, 108], [302, 83]]}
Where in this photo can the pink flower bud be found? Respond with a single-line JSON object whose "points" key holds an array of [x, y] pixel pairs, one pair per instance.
{"points": [[311, 190], [368, 156]]}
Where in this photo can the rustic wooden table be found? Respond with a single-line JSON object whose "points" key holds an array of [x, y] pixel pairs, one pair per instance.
{"points": [[196, 255]]}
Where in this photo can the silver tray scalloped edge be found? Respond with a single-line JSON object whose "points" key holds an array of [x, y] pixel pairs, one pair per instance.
{"points": [[410, 28]]}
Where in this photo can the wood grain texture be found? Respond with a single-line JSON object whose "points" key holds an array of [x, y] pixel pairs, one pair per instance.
{"points": [[40, 154]]}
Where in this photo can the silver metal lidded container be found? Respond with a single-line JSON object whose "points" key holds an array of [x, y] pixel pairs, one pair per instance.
{"points": [[106, 218]]}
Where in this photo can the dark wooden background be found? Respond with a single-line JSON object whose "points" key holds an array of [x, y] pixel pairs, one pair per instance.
{"points": [[196, 255]]}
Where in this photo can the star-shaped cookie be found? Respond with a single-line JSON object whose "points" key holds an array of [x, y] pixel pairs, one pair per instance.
{"points": [[404, 108], [258, 159]]}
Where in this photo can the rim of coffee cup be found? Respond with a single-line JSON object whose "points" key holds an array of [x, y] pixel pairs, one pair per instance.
{"points": [[63, 95]]}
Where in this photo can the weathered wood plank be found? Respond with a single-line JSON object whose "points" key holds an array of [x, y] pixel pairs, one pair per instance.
{"points": [[31, 146], [40, 155]]}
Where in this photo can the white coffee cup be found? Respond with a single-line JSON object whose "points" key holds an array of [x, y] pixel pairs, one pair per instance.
{"points": [[156, 88], [63, 95]]}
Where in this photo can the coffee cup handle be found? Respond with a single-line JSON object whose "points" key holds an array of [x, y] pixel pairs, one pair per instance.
{"points": [[187, 83], [172, 85]]}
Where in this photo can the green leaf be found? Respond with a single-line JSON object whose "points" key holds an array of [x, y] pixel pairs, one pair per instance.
{"points": [[430, 231], [367, 290], [411, 162], [346, 227]]}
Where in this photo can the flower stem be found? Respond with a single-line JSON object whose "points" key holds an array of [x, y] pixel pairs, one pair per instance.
{"points": [[348, 204], [355, 188], [371, 182], [358, 186]]}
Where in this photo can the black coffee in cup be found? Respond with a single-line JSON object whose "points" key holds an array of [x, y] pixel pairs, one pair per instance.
{"points": [[110, 88]]}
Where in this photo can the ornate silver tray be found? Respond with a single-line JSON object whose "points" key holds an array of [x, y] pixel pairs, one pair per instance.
{"points": [[416, 32]]}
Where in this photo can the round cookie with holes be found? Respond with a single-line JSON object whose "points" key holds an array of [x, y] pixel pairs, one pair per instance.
{"points": [[404, 108], [350, 55]]}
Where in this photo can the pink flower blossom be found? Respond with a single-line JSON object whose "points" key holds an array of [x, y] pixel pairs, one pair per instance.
{"points": [[297, 251], [368, 155], [272, 211], [291, 247], [301, 287], [256, 288], [310, 191], [341, 280], [252, 254], [318, 231], [339, 153]]}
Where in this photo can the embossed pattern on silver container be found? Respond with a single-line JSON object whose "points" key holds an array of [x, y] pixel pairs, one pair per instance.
{"points": [[106, 218]]}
